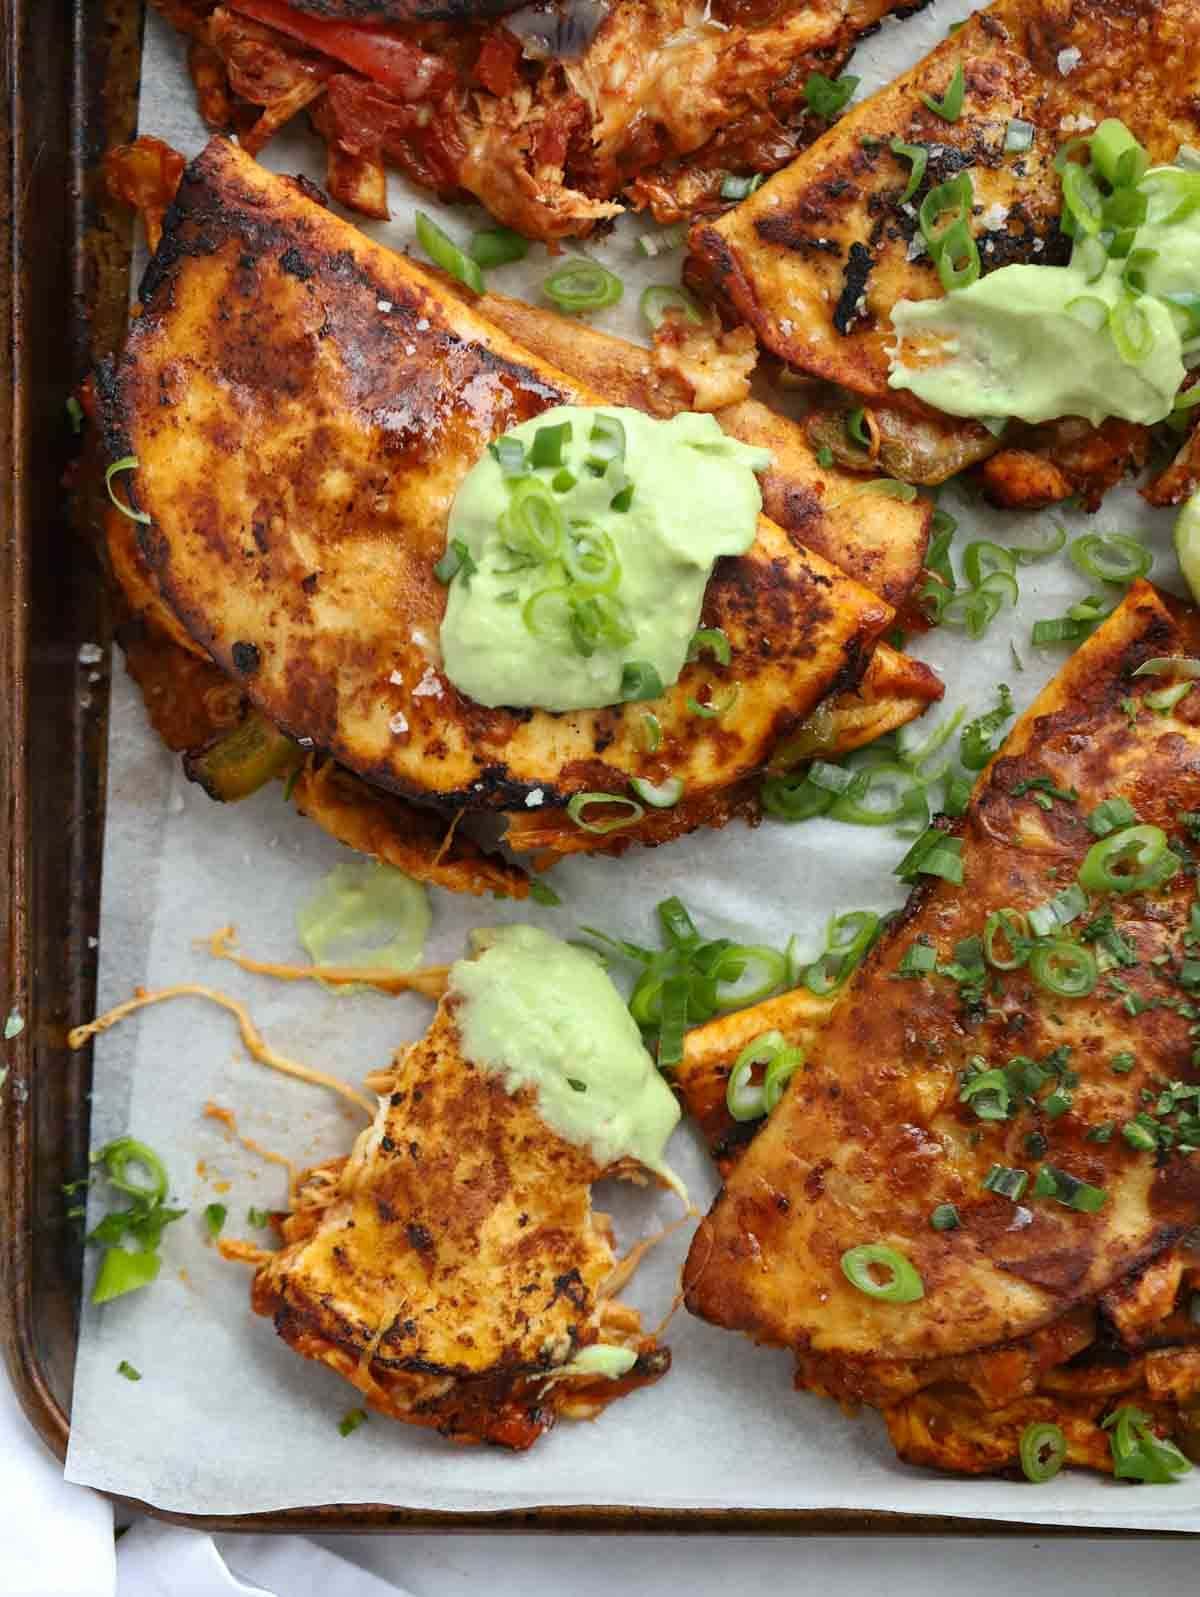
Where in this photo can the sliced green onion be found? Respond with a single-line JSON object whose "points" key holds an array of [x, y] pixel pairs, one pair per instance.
{"points": [[582, 802], [1083, 203], [957, 794], [988, 1094], [1064, 968], [856, 428], [918, 155], [121, 1271], [1137, 263], [834, 779], [444, 252], [673, 1023], [779, 1072], [1143, 1138], [903, 1284], [591, 559], [659, 795], [533, 524], [1137, 1453], [877, 796], [734, 187], [958, 262], [919, 755], [794, 797], [829, 97], [710, 640], [1111, 815], [543, 893], [606, 443], [128, 1371], [1043, 1450], [980, 737], [214, 1218], [920, 959], [1069, 1190], [1111, 557], [745, 1099], [1018, 136], [949, 107], [1088, 310], [75, 414], [1169, 665], [595, 620], [1133, 860], [983, 557], [1058, 911], [1013, 926], [651, 731], [1006, 1181], [580, 285], [351, 1420], [563, 481], [1131, 330], [126, 463], [933, 854], [974, 609], [661, 300], [729, 973], [1117, 156], [546, 612], [654, 244], [509, 455], [119, 1155], [945, 1217], [498, 246], [716, 708], [547, 446], [1090, 258], [640, 680], [1164, 699]]}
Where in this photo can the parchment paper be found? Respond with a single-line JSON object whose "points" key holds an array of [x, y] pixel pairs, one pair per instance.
{"points": [[226, 1419]]}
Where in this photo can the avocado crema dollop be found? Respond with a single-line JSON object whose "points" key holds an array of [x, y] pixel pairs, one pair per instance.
{"points": [[578, 551], [540, 1013], [1106, 335]]}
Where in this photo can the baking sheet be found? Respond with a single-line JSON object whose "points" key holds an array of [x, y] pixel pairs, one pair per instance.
{"points": [[226, 1419]]}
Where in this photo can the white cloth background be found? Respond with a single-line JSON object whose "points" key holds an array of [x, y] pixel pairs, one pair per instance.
{"points": [[57, 1541]]}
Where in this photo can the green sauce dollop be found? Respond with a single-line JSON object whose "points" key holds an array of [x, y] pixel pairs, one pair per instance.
{"points": [[365, 913], [1008, 346], [542, 1014], [694, 498]]}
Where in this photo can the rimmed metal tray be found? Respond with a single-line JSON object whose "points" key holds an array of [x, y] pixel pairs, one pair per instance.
{"points": [[69, 91]]}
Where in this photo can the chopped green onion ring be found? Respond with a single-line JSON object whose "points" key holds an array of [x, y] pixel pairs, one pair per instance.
{"points": [[1111, 557], [659, 795], [126, 463], [444, 252], [582, 802], [582, 285], [1133, 860], [904, 1285], [1043, 1451]]}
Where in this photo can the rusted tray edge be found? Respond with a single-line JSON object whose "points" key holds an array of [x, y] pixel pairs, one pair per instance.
{"points": [[94, 94]]}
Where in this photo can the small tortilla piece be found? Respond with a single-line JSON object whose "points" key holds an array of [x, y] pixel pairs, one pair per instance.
{"points": [[452, 1264], [710, 1052], [816, 258], [298, 463], [872, 1135], [878, 541]]}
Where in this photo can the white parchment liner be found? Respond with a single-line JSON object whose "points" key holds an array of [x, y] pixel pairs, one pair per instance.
{"points": [[226, 1420]]}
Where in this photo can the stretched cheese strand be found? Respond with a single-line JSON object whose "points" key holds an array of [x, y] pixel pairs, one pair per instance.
{"points": [[431, 981], [255, 1043]]}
